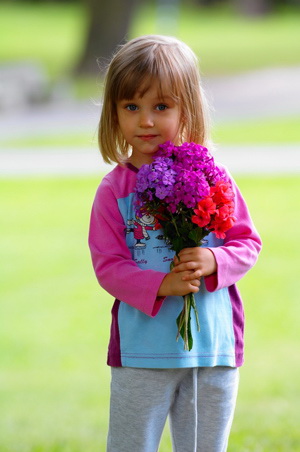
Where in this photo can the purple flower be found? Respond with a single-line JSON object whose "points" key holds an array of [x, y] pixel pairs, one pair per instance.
{"points": [[179, 177], [162, 192], [153, 176], [168, 177]]}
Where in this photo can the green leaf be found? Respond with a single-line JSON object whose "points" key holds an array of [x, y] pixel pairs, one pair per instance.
{"points": [[197, 234]]}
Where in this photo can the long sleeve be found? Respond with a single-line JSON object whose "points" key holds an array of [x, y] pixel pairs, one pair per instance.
{"points": [[115, 269], [240, 249], [143, 328]]}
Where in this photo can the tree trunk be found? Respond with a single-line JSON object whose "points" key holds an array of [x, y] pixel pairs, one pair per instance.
{"points": [[254, 7], [109, 21]]}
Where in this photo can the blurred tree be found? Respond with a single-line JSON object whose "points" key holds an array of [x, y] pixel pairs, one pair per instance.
{"points": [[108, 23], [254, 7], [246, 7], [207, 3]]}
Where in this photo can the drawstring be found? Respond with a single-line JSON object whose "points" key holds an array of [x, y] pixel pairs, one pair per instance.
{"points": [[195, 390]]}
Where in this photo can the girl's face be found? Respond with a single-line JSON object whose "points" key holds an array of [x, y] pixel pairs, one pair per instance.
{"points": [[148, 121]]}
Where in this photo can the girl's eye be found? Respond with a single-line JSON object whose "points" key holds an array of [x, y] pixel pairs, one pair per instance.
{"points": [[161, 107], [131, 107]]}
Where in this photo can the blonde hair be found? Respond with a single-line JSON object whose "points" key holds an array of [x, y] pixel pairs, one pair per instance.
{"points": [[133, 67]]}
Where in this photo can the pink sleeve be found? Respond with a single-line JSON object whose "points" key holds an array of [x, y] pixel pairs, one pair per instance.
{"points": [[240, 250], [115, 269]]}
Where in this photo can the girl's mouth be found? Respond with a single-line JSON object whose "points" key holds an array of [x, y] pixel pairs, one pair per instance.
{"points": [[146, 137]]}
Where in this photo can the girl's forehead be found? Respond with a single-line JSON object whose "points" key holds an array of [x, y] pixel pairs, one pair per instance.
{"points": [[158, 88]]}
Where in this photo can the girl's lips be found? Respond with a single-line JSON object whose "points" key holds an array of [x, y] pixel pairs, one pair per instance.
{"points": [[147, 137]]}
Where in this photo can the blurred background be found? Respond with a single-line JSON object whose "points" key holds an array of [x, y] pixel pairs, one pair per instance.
{"points": [[54, 391]]}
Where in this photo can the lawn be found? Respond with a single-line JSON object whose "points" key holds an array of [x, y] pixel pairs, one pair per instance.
{"points": [[49, 33], [225, 42], [228, 43], [55, 321], [257, 131]]}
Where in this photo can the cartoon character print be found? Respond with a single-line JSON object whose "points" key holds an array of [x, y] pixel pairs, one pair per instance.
{"points": [[140, 227]]}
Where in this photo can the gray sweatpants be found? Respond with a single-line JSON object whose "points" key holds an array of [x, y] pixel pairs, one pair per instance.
{"points": [[200, 403]]}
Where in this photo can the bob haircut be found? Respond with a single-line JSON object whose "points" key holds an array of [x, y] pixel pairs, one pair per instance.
{"points": [[132, 68]]}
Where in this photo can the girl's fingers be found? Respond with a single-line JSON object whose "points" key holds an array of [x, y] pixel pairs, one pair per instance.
{"points": [[195, 283], [187, 252], [194, 276], [181, 267], [183, 258]]}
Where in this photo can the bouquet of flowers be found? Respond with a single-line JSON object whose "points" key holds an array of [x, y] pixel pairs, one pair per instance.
{"points": [[190, 197]]}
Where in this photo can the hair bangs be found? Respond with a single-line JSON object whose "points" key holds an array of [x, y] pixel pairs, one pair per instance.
{"points": [[130, 83], [140, 73]]}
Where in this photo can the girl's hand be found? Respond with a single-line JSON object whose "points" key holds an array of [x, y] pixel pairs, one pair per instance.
{"points": [[179, 284], [198, 261]]}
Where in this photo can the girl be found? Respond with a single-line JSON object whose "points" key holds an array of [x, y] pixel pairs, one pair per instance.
{"points": [[153, 95]]}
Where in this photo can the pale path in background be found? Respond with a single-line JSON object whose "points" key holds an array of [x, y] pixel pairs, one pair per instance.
{"points": [[264, 159], [266, 93]]}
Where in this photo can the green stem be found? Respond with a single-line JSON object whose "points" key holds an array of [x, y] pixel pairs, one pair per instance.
{"points": [[175, 225], [180, 323], [187, 308], [193, 302]]}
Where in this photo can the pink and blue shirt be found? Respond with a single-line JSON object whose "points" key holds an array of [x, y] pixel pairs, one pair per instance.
{"points": [[131, 258]]}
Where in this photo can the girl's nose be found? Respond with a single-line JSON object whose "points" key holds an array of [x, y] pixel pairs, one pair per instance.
{"points": [[146, 119]]}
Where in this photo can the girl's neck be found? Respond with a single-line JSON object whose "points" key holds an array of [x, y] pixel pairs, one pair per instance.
{"points": [[137, 163]]}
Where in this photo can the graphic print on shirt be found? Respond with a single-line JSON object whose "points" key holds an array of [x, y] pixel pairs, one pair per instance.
{"points": [[140, 227], [144, 237]]}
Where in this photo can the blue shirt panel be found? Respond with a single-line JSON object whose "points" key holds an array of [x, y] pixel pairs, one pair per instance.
{"points": [[151, 342]]}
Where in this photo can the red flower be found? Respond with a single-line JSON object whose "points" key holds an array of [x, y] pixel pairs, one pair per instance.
{"points": [[206, 208], [224, 211], [221, 192], [220, 227], [215, 212]]}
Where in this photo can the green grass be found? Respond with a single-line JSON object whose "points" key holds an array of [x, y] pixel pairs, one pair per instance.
{"points": [[54, 387], [50, 33], [258, 131], [36, 142], [53, 34], [227, 43], [262, 131]]}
